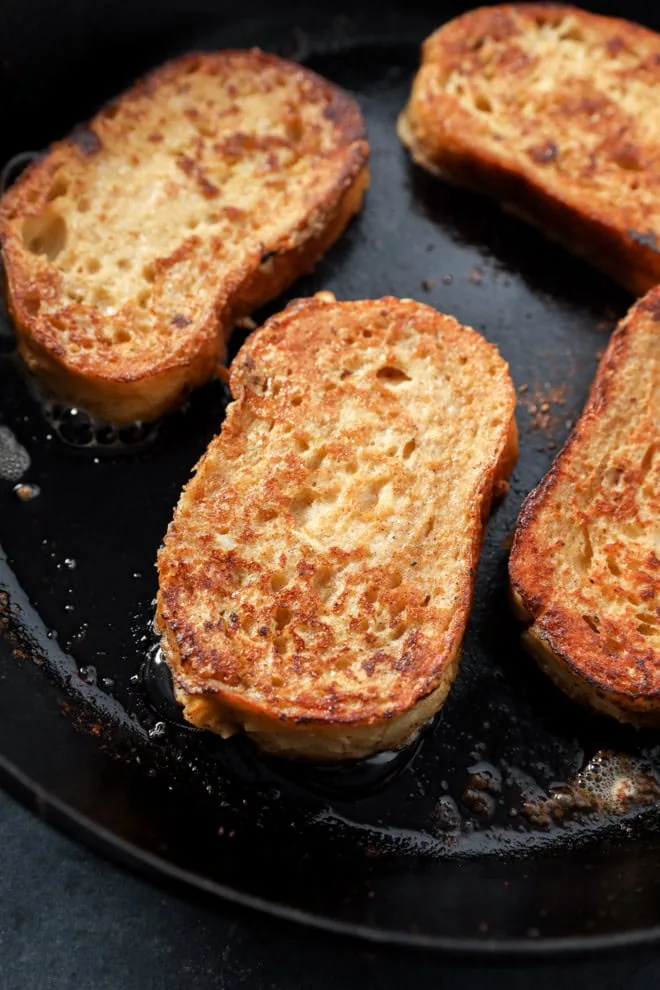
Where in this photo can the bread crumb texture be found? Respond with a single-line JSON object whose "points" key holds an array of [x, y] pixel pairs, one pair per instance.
{"points": [[545, 104], [586, 557], [132, 243], [320, 563]]}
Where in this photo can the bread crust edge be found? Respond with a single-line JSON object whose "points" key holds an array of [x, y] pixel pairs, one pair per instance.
{"points": [[566, 662]]}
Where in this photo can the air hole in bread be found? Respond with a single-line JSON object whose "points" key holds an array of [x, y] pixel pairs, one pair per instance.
{"points": [[647, 460], [296, 400], [192, 223], [627, 158], [408, 448], [45, 235], [302, 444], [301, 505], [316, 458], [101, 297], [367, 334], [294, 128], [613, 645], [645, 630], [83, 204], [124, 264], [59, 188], [194, 65], [483, 103], [93, 265], [265, 514], [571, 32], [282, 645], [371, 594], [149, 271], [368, 498], [398, 631], [426, 600], [32, 304], [343, 662], [247, 624], [282, 617], [324, 581], [278, 581], [350, 467], [587, 551], [430, 523], [122, 336], [143, 298], [591, 623], [111, 111], [393, 580], [393, 376], [613, 476], [613, 567]]}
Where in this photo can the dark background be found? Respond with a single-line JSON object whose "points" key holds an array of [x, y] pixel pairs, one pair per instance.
{"points": [[70, 919]]}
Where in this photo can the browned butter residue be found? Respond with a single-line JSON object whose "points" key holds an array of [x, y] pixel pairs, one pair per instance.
{"points": [[610, 782]]}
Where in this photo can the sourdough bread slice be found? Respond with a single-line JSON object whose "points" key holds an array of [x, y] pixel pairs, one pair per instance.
{"points": [[316, 579], [585, 563], [554, 111], [132, 247]]}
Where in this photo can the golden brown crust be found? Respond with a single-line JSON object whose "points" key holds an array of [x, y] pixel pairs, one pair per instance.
{"points": [[202, 192], [553, 111], [585, 562], [317, 575]]}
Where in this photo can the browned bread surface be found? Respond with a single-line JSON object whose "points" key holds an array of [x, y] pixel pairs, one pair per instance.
{"points": [[585, 563], [555, 112], [197, 195], [316, 579]]}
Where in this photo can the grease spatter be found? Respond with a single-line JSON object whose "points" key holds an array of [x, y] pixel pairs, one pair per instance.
{"points": [[14, 458], [611, 783], [446, 816], [77, 428], [158, 732], [157, 682], [484, 776], [27, 492], [480, 802]]}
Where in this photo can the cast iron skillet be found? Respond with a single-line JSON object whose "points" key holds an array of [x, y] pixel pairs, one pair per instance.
{"points": [[450, 845]]}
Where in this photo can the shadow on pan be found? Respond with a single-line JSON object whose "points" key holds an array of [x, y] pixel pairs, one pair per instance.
{"points": [[472, 841]]}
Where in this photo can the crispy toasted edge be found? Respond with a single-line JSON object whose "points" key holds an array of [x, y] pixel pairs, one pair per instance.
{"points": [[568, 661], [320, 734], [144, 395], [461, 159]]}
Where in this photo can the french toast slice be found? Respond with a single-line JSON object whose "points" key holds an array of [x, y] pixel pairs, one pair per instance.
{"points": [[554, 112], [315, 581], [585, 562], [133, 246]]}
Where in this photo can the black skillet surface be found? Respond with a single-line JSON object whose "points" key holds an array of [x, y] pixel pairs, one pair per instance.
{"points": [[446, 845]]}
